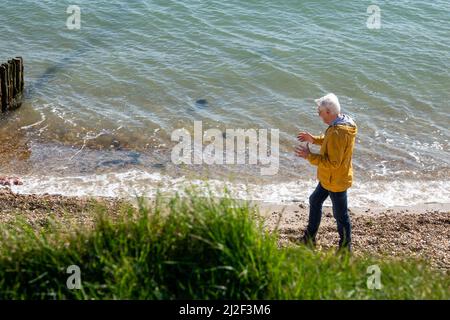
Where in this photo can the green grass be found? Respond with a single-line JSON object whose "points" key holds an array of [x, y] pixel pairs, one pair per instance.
{"points": [[192, 247]]}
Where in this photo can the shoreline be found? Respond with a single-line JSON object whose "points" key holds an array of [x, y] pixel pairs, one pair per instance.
{"points": [[129, 182], [418, 232]]}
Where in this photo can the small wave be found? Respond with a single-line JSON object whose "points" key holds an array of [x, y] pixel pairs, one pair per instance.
{"points": [[141, 183], [43, 118]]}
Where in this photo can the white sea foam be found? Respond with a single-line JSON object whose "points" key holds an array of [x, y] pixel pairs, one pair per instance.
{"points": [[142, 183]]}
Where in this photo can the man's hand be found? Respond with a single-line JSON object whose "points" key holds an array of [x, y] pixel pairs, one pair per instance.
{"points": [[305, 137], [303, 152]]}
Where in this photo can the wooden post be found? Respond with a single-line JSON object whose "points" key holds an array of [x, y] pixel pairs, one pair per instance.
{"points": [[17, 82], [11, 84], [16, 74], [5, 88], [22, 82], [1, 90]]}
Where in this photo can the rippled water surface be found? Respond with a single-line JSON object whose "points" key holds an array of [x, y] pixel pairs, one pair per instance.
{"points": [[102, 102]]}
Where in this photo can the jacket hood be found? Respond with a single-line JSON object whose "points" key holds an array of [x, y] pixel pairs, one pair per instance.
{"points": [[345, 122], [343, 119]]}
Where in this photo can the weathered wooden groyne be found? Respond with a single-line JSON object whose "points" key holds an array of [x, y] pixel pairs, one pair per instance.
{"points": [[11, 84]]}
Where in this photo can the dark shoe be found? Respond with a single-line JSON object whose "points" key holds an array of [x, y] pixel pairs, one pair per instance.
{"points": [[344, 250], [307, 240]]}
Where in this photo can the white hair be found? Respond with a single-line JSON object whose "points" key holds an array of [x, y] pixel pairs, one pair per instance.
{"points": [[329, 102]]}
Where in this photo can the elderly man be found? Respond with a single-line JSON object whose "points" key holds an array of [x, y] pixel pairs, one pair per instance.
{"points": [[334, 168]]}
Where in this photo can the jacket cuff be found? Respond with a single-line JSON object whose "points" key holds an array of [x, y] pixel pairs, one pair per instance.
{"points": [[316, 138], [310, 157]]}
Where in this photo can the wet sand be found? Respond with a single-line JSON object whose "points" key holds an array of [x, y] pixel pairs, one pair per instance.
{"points": [[421, 232]]}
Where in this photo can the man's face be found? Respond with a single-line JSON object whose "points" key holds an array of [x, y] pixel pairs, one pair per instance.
{"points": [[325, 115]]}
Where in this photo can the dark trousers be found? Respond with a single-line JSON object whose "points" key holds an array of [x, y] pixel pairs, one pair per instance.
{"points": [[340, 213]]}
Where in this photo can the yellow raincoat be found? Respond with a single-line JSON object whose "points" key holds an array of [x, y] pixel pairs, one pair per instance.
{"points": [[334, 163]]}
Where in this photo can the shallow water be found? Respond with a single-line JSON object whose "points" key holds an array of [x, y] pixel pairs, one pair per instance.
{"points": [[102, 101]]}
